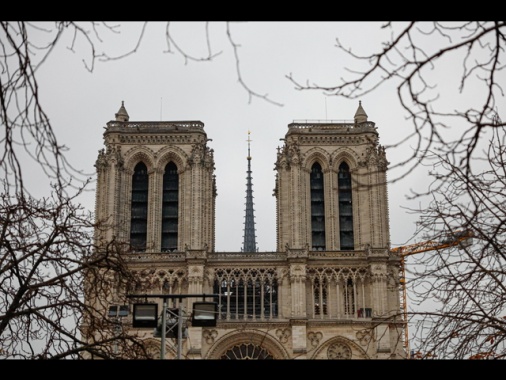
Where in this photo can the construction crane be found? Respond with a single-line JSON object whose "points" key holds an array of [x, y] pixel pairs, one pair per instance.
{"points": [[458, 237]]}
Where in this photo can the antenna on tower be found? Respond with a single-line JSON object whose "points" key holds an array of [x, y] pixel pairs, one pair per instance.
{"points": [[161, 109], [249, 244]]}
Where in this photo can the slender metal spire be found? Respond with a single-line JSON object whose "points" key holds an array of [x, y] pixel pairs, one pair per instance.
{"points": [[249, 244]]}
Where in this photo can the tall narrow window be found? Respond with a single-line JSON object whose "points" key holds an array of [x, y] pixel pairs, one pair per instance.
{"points": [[349, 297], [251, 298], [139, 208], [345, 208], [320, 297], [247, 294], [170, 208], [317, 208]]}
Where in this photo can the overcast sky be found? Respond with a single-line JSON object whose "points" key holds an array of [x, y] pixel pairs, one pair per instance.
{"points": [[155, 86]]}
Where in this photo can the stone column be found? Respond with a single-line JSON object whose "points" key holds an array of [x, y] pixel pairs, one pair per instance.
{"points": [[195, 260]]}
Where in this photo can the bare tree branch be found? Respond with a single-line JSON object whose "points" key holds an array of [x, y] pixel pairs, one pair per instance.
{"points": [[251, 93], [464, 289], [408, 59]]}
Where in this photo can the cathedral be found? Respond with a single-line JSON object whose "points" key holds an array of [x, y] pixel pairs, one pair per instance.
{"points": [[330, 291]]}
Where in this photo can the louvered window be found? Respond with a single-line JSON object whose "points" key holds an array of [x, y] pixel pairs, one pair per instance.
{"points": [[139, 208], [317, 208], [170, 208], [345, 208]]}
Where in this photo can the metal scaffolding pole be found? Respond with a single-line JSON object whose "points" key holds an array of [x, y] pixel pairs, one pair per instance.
{"points": [[179, 331], [164, 326], [179, 316]]}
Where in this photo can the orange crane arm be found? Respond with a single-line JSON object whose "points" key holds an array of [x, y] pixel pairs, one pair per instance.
{"points": [[430, 245], [453, 239]]}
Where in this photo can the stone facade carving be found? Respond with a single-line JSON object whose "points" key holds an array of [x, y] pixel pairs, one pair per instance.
{"points": [[314, 338], [295, 302], [283, 335], [339, 351], [209, 335], [375, 157], [364, 336]]}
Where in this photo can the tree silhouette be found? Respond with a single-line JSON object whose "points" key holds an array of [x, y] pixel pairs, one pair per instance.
{"points": [[47, 244], [463, 288], [429, 62], [420, 59]]}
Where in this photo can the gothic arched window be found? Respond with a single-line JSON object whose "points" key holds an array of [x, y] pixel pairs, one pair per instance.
{"points": [[349, 297], [170, 208], [317, 208], [345, 208], [139, 208], [247, 351], [244, 297], [320, 297]]}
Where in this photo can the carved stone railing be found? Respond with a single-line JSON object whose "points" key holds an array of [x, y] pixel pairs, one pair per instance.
{"points": [[119, 126], [329, 254], [142, 257], [247, 256], [330, 125]]}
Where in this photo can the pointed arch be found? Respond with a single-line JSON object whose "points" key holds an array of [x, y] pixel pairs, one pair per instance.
{"points": [[340, 347], [319, 155], [247, 293], [347, 155], [241, 339], [174, 154], [137, 154]]}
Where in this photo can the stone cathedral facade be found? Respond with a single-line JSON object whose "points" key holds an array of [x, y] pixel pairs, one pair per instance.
{"points": [[331, 289]]}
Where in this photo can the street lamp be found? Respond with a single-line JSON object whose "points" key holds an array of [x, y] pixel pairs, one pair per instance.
{"points": [[204, 314], [145, 315]]}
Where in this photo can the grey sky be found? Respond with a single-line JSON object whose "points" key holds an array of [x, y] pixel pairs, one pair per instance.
{"points": [[159, 86]]}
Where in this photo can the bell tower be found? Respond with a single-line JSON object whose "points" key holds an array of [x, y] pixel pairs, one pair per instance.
{"points": [[156, 185], [329, 291], [331, 187]]}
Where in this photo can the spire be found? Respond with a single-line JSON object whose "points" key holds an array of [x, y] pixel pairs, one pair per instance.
{"points": [[360, 115], [249, 244], [122, 114]]}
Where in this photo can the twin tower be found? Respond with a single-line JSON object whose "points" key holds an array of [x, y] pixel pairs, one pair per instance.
{"points": [[331, 289]]}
